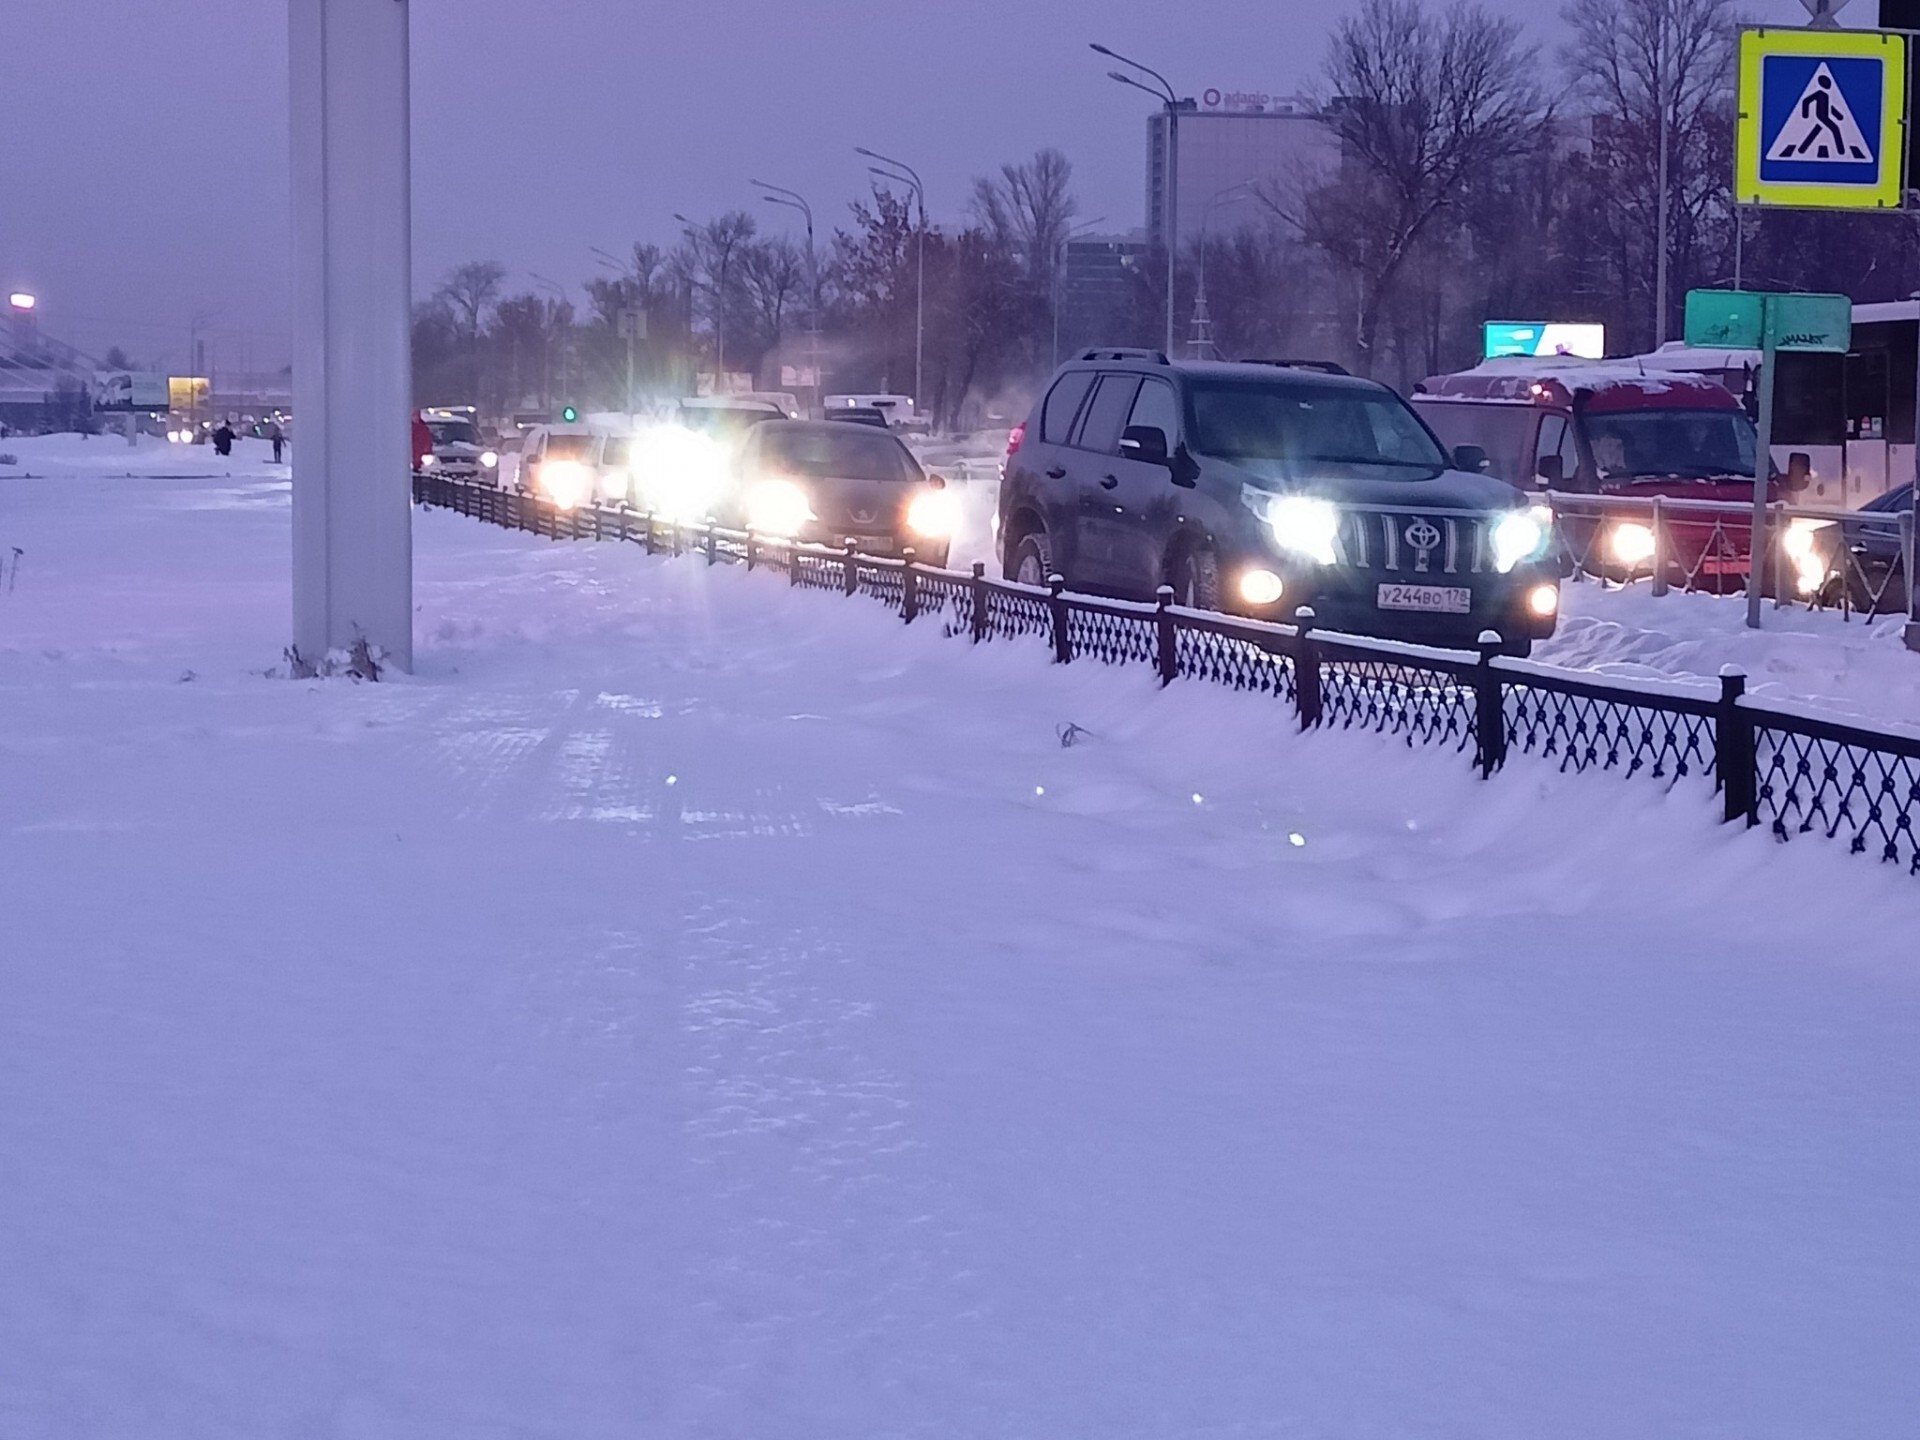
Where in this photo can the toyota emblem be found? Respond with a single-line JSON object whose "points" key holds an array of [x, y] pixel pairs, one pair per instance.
{"points": [[1423, 534]]}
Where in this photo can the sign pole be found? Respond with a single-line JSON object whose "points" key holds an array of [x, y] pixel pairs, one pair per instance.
{"points": [[352, 295], [1762, 475]]}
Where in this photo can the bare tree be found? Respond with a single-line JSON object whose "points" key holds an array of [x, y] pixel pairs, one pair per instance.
{"points": [[1628, 61], [469, 292], [1423, 104], [772, 273], [708, 260], [1027, 210]]}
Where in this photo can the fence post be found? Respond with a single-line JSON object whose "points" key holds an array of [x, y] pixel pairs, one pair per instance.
{"points": [[675, 541], [1489, 708], [1306, 669], [980, 616], [713, 548], [1168, 653], [1659, 550], [793, 562], [647, 521], [909, 586], [1057, 609], [1735, 757], [850, 569], [752, 551]]}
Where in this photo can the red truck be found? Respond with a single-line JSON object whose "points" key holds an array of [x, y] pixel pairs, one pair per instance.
{"points": [[1610, 431]]}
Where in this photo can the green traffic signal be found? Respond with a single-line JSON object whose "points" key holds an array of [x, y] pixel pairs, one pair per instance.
{"points": [[569, 414]]}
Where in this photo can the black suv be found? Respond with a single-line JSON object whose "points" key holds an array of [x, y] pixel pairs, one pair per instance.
{"points": [[1262, 487]]}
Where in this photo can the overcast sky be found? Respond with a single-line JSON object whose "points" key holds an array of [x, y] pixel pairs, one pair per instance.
{"points": [[143, 148]]}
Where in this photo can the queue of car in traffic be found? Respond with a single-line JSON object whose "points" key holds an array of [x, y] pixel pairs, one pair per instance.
{"points": [[1284, 490]]}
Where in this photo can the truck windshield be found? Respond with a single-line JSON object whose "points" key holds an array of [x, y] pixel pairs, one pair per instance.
{"points": [[1699, 444], [453, 432], [1303, 426]]}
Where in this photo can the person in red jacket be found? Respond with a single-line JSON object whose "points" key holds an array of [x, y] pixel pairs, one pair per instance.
{"points": [[422, 442]]}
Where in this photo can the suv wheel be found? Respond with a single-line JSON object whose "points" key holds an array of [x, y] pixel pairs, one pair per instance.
{"points": [[1194, 574], [1032, 560]]}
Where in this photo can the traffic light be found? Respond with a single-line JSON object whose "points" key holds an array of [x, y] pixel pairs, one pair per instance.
{"points": [[568, 414]]}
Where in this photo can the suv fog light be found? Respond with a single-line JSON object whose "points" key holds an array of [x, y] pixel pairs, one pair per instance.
{"points": [[1260, 587], [1544, 601]]}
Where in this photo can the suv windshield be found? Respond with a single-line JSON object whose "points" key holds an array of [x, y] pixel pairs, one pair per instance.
{"points": [[1699, 443], [1303, 426], [851, 452]]}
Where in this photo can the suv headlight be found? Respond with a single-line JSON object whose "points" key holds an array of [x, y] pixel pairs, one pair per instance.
{"points": [[1301, 524], [1521, 535]]}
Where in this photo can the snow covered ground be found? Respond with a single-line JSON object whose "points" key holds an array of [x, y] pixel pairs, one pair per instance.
{"points": [[690, 1007]]}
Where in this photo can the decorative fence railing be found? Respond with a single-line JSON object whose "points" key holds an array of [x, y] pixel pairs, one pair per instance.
{"points": [[1798, 772], [1824, 559]]}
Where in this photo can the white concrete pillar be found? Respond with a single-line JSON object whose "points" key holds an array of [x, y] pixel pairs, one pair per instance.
{"points": [[352, 300]]}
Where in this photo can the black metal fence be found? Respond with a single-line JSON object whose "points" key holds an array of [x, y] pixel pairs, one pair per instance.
{"points": [[1799, 773]]}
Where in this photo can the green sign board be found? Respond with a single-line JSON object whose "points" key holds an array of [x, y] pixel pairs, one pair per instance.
{"points": [[1754, 320]]}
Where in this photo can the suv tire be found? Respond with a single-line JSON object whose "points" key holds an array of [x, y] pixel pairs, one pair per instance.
{"points": [[1033, 556], [1194, 573]]}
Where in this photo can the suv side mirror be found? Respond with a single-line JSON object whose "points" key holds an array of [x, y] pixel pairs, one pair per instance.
{"points": [[1799, 470], [1471, 458], [1144, 442], [1551, 469]]}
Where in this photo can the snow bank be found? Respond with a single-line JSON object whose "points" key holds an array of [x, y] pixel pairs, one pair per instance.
{"points": [[691, 1007]]}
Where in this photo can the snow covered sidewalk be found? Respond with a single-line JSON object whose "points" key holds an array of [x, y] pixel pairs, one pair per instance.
{"points": [[691, 1007]]}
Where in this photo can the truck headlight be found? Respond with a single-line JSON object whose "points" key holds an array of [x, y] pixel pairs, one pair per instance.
{"points": [[1520, 536], [1300, 524], [1631, 543]]}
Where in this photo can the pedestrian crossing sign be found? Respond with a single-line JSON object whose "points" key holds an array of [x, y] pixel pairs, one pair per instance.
{"points": [[1822, 119]]}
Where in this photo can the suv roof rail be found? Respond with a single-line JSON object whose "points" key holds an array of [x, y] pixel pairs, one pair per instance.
{"points": [[1154, 357], [1325, 367]]}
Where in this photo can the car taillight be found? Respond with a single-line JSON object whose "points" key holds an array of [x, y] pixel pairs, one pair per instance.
{"points": [[1015, 436]]}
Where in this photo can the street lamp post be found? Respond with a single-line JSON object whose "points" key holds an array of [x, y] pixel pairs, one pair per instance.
{"points": [[1165, 94], [911, 178], [560, 298], [794, 200], [1196, 341]]}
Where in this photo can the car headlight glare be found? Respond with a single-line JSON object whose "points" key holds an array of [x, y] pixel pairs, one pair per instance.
{"points": [[1520, 536], [567, 483], [427, 462], [1798, 541], [1631, 542], [934, 514], [778, 507], [489, 459], [1300, 524], [680, 474]]}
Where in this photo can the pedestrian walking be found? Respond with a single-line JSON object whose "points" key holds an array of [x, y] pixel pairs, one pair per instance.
{"points": [[277, 438], [223, 439]]}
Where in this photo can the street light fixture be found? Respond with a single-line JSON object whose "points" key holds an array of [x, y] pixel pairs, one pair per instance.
{"points": [[911, 177], [794, 200], [1166, 96], [23, 300]]}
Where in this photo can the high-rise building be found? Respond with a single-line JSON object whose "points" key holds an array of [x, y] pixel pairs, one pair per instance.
{"points": [[1227, 139], [1097, 283]]}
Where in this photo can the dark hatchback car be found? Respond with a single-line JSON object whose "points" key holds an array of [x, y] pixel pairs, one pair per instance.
{"points": [[1866, 557], [829, 482], [1260, 488]]}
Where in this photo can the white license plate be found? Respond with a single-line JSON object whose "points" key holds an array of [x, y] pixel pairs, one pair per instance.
{"points": [[1428, 599]]}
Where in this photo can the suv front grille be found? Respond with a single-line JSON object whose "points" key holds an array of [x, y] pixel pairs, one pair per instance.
{"points": [[1412, 543]]}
